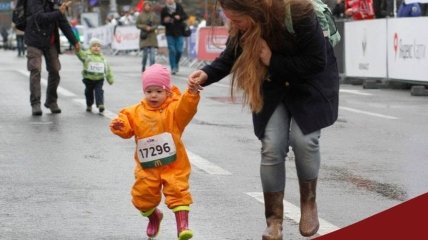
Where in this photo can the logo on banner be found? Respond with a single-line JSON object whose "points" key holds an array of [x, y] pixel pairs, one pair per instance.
{"points": [[395, 41], [364, 43], [408, 50]]}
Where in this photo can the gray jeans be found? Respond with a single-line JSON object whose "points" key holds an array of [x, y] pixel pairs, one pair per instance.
{"points": [[34, 65], [281, 133]]}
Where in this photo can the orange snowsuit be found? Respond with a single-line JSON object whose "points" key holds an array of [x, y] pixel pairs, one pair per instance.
{"points": [[142, 122]]}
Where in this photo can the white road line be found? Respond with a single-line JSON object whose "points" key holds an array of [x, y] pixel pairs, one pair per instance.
{"points": [[44, 82], [368, 113], [356, 92], [80, 101], [206, 165], [293, 212]]}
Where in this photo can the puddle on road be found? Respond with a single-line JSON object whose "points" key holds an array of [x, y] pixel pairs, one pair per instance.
{"points": [[199, 122], [40, 123], [230, 100], [391, 191]]}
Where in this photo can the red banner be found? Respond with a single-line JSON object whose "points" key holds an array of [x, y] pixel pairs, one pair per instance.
{"points": [[211, 42], [140, 5], [404, 221]]}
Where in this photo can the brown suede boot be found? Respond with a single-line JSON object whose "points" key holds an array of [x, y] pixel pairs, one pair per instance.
{"points": [[309, 223], [274, 212]]}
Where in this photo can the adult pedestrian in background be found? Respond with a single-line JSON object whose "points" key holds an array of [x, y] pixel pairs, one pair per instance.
{"points": [[42, 39], [409, 10], [4, 34], [291, 83], [20, 46], [381, 8], [338, 10], [173, 17], [148, 22]]}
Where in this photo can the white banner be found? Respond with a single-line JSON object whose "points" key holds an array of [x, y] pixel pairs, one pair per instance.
{"points": [[415, 1], [365, 48], [126, 38], [104, 33], [407, 48]]}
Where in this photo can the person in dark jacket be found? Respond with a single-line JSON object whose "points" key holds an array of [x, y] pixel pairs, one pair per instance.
{"points": [[173, 17], [42, 39], [291, 84]]}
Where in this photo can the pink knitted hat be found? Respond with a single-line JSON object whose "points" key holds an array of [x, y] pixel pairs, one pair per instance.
{"points": [[156, 75]]}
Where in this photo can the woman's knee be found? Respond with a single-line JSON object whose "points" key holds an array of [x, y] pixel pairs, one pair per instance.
{"points": [[272, 153], [305, 143]]}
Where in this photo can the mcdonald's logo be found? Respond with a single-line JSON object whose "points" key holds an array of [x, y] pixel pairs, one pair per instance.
{"points": [[158, 163]]}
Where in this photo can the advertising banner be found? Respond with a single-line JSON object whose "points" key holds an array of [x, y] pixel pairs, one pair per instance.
{"points": [[365, 48], [104, 33], [407, 49], [126, 38], [211, 42], [415, 1]]}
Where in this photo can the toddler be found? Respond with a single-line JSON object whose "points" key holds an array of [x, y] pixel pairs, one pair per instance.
{"points": [[95, 70], [157, 123]]}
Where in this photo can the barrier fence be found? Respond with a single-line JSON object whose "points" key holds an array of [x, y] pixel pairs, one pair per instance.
{"points": [[385, 49]]}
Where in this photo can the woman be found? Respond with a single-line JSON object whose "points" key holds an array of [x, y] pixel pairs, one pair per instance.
{"points": [[291, 84], [148, 22]]}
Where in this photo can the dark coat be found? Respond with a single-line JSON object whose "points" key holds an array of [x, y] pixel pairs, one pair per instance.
{"points": [[303, 76], [148, 19], [176, 27], [43, 21]]}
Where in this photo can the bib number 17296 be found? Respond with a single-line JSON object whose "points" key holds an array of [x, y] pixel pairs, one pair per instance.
{"points": [[156, 150]]}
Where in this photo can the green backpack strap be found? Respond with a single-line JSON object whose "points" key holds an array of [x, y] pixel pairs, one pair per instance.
{"points": [[320, 9], [325, 17]]}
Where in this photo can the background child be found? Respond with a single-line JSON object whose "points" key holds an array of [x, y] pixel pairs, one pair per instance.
{"points": [[95, 70], [157, 123]]}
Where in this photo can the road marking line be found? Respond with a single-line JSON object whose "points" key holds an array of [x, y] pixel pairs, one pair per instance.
{"points": [[44, 82], [357, 92], [80, 101], [367, 113], [206, 165], [293, 212]]}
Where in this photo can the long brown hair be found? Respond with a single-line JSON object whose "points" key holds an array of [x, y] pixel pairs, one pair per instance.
{"points": [[267, 22]]}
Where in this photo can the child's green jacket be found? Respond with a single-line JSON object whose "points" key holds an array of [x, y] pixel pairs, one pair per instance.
{"points": [[95, 67]]}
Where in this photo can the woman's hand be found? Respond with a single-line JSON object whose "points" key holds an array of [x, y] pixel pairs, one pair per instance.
{"points": [[265, 53], [197, 78]]}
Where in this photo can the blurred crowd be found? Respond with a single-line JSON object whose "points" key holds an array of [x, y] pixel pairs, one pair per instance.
{"points": [[370, 9]]}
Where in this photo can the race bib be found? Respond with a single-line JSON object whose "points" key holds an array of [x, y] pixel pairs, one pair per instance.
{"points": [[156, 151], [95, 67]]}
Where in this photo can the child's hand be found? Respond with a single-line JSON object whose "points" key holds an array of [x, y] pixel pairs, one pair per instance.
{"points": [[77, 47], [117, 124], [193, 89]]}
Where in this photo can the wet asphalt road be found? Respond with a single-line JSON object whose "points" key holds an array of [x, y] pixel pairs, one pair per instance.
{"points": [[66, 176]]}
